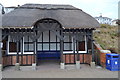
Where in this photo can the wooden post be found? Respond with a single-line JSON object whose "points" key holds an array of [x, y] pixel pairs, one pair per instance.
{"points": [[0, 46], [87, 40], [62, 64], [35, 51], [22, 50], [34, 61], [17, 51], [92, 46], [1, 11], [61, 47], [70, 40], [17, 65], [77, 47], [74, 48]]}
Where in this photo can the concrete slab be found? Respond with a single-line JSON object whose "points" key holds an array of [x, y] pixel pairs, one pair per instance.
{"points": [[1, 67], [52, 70], [92, 64], [34, 66], [62, 65], [17, 66], [77, 64]]}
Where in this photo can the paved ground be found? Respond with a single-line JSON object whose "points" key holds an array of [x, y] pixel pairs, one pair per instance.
{"points": [[51, 70]]}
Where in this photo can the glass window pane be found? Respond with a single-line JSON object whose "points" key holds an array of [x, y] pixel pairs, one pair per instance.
{"points": [[82, 44], [66, 46], [58, 39], [11, 39], [70, 46], [46, 36], [58, 46], [66, 39], [26, 47], [40, 39], [45, 46], [52, 46], [30, 40], [52, 37], [25, 38], [31, 47], [39, 47]]}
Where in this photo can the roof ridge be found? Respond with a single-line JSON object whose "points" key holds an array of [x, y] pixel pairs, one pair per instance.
{"points": [[49, 6]]}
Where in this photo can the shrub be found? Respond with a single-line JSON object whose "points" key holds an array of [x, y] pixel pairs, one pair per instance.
{"points": [[113, 50], [105, 26]]}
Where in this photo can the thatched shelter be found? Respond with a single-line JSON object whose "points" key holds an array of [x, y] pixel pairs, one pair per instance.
{"points": [[34, 32]]}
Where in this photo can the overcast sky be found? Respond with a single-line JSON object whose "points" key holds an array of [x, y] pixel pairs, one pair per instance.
{"points": [[108, 8]]}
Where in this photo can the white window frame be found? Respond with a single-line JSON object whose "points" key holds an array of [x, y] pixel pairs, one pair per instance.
{"points": [[13, 53], [65, 52]]}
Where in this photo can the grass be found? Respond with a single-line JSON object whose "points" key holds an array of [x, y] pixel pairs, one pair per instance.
{"points": [[107, 37]]}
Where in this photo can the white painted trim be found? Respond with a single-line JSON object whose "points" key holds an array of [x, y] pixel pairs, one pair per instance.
{"points": [[67, 52], [85, 47], [28, 53], [14, 53], [82, 51], [8, 44], [23, 44], [20, 53]]}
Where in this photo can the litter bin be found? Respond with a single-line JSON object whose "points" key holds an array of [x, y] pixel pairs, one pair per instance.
{"points": [[119, 63], [112, 62]]}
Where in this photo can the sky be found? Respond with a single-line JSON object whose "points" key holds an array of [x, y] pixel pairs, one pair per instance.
{"points": [[108, 8]]}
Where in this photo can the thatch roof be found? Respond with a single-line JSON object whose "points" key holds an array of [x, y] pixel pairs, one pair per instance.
{"points": [[27, 15]]}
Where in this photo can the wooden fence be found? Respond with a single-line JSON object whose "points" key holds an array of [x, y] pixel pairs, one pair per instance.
{"points": [[71, 58], [9, 60]]}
